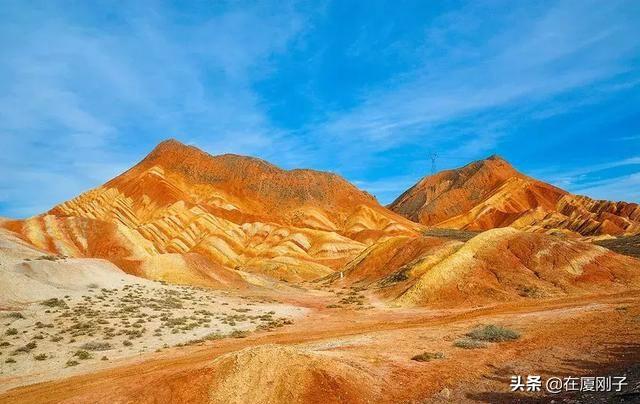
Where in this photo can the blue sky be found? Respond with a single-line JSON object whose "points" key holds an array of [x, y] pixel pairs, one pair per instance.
{"points": [[365, 89]]}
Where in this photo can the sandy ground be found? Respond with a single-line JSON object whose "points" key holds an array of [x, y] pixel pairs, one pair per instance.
{"points": [[575, 336], [73, 334]]}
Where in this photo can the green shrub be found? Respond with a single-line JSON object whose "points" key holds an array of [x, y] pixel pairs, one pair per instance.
{"points": [[96, 346], [55, 302], [213, 336], [82, 355], [469, 344], [40, 357], [428, 356], [493, 333], [11, 331], [238, 334]]}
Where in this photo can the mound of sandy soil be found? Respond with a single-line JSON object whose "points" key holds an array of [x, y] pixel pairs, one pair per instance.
{"points": [[282, 374], [393, 260], [28, 274]]}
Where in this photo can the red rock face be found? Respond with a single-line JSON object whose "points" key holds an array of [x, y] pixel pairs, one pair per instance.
{"points": [[491, 193], [183, 215]]}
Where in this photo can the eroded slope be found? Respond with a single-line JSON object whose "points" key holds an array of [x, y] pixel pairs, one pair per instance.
{"points": [[491, 193]]}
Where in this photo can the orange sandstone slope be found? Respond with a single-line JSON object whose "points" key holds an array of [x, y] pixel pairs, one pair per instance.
{"points": [[497, 265], [490, 193], [183, 215], [508, 264]]}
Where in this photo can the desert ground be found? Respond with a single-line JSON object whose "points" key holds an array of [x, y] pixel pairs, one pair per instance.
{"points": [[349, 355]]}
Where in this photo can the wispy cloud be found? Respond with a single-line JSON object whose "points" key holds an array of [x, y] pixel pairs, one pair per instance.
{"points": [[82, 97], [576, 178], [621, 188], [542, 53]]}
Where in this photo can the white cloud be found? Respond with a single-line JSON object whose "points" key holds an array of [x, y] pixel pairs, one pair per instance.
{"points": [[75, 91], [622, 188]]}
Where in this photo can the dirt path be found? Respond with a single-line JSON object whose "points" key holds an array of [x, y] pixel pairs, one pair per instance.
{"points": [[590, 329]]}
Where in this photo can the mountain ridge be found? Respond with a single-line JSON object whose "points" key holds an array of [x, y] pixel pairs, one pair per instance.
{"points": [[491, 193], [183, 215]]}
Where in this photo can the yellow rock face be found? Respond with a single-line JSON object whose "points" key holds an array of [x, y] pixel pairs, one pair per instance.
{"points": [[184, 216], [507, 264]]}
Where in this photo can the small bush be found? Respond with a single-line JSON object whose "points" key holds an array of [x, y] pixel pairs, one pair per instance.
{"points": [[55, 302], [469, 344], [4, 343], [11, 331], [127, 343], [82, 355], [40, 357], [428, 356], [10, 360], [47, 257], [96, 346], [27, 348], [493, 333], [72, 362], [213, 336], [238, 334], [15, 315]]}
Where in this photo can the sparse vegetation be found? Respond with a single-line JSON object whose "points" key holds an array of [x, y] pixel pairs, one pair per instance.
{"points": [[103, 319], [40, 357], [530, 291], [469, 344], [49, 257], [10, 360], [55, 302], [213, 336], [96, 346], [627, 245], [428, 356], [27, 348], [493, 333], [460, 235], [82, 354]]}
